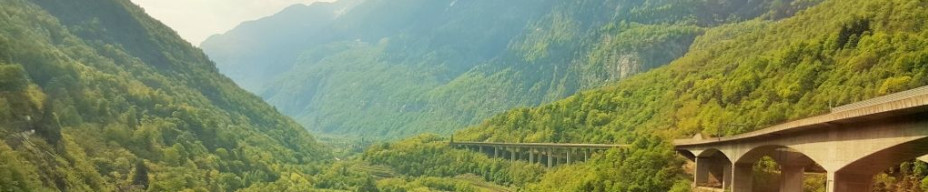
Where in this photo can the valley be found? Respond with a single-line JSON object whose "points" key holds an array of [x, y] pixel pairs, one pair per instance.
{"points": [[468, 95]]}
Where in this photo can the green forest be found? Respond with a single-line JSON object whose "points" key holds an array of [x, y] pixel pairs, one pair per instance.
{"points": [[386, 70], [744, 76], [96, 95]]}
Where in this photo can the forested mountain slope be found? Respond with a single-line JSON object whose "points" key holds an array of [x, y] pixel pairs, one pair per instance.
{"points": [[744, 76], [387, 69], [735, 78], [97, 96]]}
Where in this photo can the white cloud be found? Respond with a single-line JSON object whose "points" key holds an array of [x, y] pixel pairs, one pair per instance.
{"points": [[195, 20]]}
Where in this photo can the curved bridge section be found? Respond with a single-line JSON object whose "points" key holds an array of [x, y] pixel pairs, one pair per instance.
{"points": [[851, 145]]}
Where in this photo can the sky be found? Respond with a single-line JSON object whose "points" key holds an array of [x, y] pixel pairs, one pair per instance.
{"points": [[196, 20]]}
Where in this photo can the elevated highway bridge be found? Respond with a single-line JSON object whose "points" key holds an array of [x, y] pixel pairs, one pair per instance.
{"points": [[550, 154]]}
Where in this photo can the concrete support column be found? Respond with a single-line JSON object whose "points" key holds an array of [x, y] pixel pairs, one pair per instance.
{"points": [[586, 155], [512, 154], [741, 178], [550, 157], [791, 177], [531, 156], [568, 156], [495, 152], [701, 175], [838, 182]]}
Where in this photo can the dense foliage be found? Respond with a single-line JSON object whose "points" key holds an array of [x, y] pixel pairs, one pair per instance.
{"points": [[389, 69], [430, 155], [97, 96], [743, 76], [649, 164], [740, 77]]}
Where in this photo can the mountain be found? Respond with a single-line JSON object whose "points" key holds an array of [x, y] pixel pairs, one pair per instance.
{"points": [[97, 96], [734, 79], [234, 52], [388, 69]]}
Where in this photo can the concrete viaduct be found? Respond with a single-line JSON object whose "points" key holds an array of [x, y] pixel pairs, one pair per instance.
{"points": [[850, 144], [551, 154]]}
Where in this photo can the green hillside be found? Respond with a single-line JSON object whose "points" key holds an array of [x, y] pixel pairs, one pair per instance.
{"points": [[97, 96], [744, 76], [390, 69], [735, 78]]}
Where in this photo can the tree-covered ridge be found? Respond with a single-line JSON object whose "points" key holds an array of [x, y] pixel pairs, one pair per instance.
{"points": [[744, 76], [388, 69], [97, 96], [740, 77], [416, 157], [735, 78], [648, 164]]}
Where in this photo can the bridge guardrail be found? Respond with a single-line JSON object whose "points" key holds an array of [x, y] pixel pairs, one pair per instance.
{"points": [[883, 99]]}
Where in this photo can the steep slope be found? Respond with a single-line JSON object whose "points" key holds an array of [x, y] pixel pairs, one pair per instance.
{"points": [[235, 51], [735, 79], [745, 76], [97, 96], [395, 68]]}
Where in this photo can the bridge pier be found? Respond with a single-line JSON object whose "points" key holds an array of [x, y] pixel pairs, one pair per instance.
{"points": [[568, 156], [550, 158], [791, 177], [531, 156], [741, 178], [586, 155], [512, 154], [713, 169]]}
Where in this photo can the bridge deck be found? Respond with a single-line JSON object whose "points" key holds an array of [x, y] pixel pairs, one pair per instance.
{"points": [[903, 103], [538, 145]]}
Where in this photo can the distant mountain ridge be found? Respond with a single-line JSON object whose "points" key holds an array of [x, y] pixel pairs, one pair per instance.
{"points": [[389, 69], [276, 32]]}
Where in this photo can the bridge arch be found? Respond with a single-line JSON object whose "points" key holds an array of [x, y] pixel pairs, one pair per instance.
{"points": [[858, 175], [780, 153], [713, 168], [710, 152], [792, 164], [688, 154]]}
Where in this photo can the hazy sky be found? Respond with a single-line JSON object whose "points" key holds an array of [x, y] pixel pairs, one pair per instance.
{"points": [[195, 20]]}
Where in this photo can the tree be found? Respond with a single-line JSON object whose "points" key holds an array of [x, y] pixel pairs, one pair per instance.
{"points": [[141, 175], [12, 78]]}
